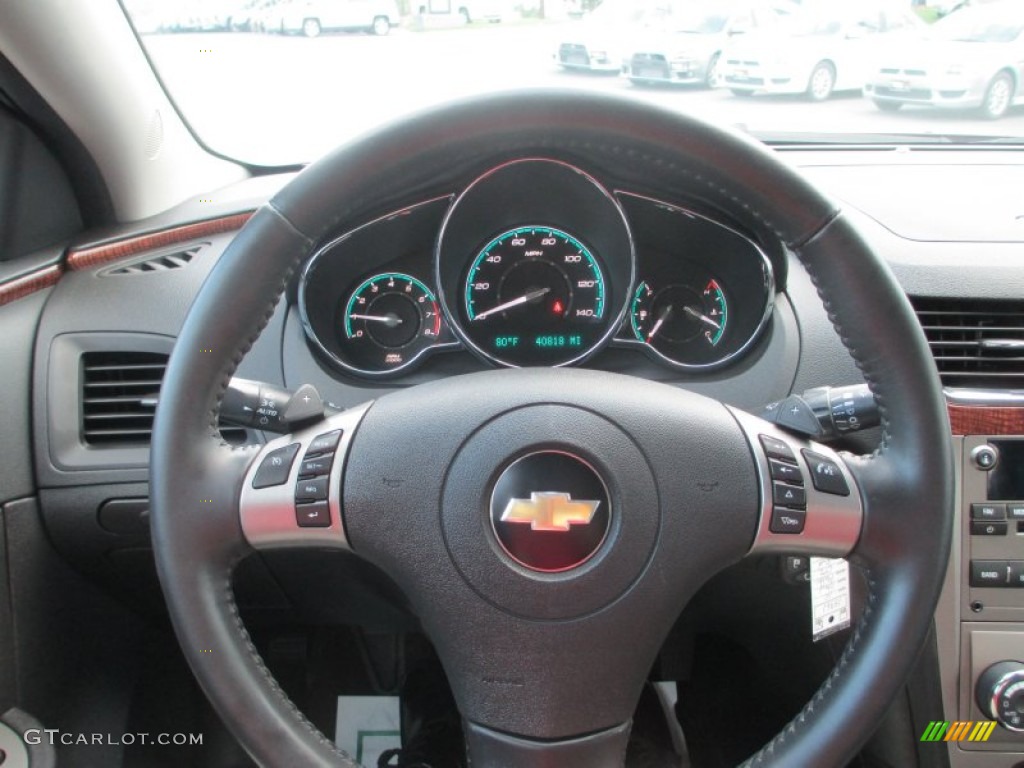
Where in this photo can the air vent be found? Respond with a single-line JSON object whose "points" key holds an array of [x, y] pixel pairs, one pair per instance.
{"points": [[161, 263], [976, 343], [119, 394]]}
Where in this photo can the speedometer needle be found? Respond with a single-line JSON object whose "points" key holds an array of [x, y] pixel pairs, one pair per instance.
{"points": [[665, 314], [528, 297], [703, 318], [390, 320]]}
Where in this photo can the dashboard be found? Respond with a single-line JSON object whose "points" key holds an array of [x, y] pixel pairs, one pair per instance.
{"points": [[537, 259], [536, 262]]}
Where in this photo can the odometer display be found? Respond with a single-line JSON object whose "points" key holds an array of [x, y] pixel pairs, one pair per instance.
{"points": [[534, 295]]}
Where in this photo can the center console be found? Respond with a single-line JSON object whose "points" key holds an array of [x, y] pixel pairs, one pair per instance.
{"points": [[980, 620]]}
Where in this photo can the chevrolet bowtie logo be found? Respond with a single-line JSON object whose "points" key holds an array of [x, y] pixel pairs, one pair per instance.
{"points": [[548, 511]]}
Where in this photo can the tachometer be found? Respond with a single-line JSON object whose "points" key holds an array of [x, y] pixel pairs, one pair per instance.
{"points": [[387, 321], [535, 295]]}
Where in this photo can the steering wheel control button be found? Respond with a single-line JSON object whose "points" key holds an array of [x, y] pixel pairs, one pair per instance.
{"points": [[550, 511], [825, 474], [314, 489], [786, 495], [990, 573], [797, 416], [324, 443], [789, 473], [316, 466], [983, 528], [985, 457], [275, 467], [777, 449], [787, 520], [988, 512], [315, 515]]}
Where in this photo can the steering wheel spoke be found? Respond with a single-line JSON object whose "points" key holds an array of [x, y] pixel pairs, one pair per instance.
{"points": [[810, 499], [291, 496]]}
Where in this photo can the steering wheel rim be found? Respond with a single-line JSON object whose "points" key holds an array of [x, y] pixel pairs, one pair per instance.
{"points": [[197, 480]]}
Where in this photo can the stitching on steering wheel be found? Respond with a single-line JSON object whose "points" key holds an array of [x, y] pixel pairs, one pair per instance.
{"points": [[243, 634], [264, 320], [768, 750], [869, 378]]}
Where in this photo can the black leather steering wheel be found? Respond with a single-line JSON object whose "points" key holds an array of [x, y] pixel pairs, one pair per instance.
{"points": [[547, 667]]}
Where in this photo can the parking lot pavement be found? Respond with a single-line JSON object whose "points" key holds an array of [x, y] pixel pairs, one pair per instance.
{"points": [[273, 99]]}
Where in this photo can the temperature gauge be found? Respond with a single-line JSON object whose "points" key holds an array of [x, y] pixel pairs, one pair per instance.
{"points": [[682, 322], [388, 321]]}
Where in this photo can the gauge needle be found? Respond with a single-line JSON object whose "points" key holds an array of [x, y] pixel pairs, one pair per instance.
{"points": [[703, 318], [665, 314], [390, 320], [531, 296]]}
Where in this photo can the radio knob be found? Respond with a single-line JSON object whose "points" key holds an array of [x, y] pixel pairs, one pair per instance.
{"points": [[1000, 694]]}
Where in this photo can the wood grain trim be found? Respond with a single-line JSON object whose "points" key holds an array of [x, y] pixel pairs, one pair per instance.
{"points": [[28, 284], [986, 420], [86, 258]]}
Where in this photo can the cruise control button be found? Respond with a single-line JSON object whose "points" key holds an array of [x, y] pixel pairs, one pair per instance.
{"points": [[826, 475], [782, 471], [315, 515], [777, 449], [275, 467], [319, 465], [314, 489], [324, 443], [786, 495], [787, 520], [990, 573], [983, 528], [988, 511], [1015, 511]]}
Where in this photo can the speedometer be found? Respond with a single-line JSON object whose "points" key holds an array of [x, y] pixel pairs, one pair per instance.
{"points": [[535, 295]]}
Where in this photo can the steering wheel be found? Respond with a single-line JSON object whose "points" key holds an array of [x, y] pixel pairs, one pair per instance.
{"points": [[547, 658]]}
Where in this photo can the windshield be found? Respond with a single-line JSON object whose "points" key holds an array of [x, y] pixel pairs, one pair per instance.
{"points": [[280, 82]]}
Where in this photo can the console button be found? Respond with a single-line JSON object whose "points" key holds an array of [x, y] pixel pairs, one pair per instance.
{"points": [[826, 475], [1017, 574], [787, 520], [777, 449], [990, 573], [318, 465], [315, 515], [782, 471], [982, 528], [786, 495], [1015, 511], [988, 511], [314, 489], [324, 443], [275, 467]]}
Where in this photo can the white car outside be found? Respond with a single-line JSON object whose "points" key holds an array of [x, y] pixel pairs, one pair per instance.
{"points": [[972, 59], [599, 40], [685, 46], [822, 49], [311, 17]]}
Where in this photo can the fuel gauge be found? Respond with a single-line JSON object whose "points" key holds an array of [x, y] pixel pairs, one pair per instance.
{"points": [[683, 322]]}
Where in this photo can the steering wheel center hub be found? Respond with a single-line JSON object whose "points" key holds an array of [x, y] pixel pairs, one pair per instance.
{"points": [[550, 511], [535, 520]]}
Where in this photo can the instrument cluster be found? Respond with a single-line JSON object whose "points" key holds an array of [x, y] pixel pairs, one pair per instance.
{"points": [[536, 263]]}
